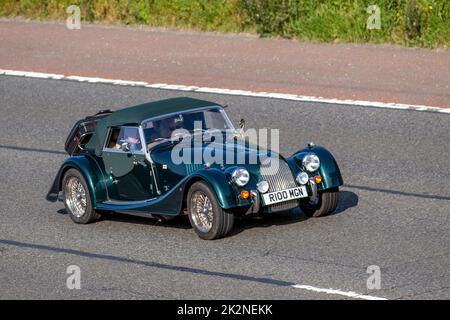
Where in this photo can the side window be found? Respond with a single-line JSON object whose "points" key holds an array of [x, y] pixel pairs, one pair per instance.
{"points": [[121, 135], [113, 142]]}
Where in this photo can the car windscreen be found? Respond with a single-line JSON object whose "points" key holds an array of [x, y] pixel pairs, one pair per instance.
{"points": [[163, 127]]}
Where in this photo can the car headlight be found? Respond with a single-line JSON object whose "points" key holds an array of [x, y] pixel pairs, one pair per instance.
{"points": [[302, 178], [240, 177], [311, 162]]}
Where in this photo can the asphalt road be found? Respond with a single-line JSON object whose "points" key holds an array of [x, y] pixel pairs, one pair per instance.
{"points": [[393, 212]]}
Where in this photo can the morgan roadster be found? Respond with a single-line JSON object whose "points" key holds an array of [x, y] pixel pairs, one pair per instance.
{"points": [[128, 161]]}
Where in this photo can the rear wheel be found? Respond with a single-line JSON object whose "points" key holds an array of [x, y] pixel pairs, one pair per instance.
{"points": [[207, 218], [326, 204], [77, 199]]}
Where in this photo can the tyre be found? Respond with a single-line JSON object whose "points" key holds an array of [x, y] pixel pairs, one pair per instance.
{"points": [[207, 218], [328, 201], [77, 199]]}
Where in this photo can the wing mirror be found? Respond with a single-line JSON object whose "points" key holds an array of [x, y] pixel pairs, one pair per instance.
{"points": [[242, 124], [240, 131]]}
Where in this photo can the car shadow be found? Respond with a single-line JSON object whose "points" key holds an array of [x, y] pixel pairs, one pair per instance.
{"points": [[347, 199], [179, 222]]}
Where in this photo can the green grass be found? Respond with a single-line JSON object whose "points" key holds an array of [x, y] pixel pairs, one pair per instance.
{"points": [[422, 23]]}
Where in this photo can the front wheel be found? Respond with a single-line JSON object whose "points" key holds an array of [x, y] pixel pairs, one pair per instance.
{"points": [[207, 218], [326, 204], [77, 199]]}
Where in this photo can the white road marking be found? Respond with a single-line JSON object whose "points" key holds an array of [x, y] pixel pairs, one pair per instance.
{"points": [[349, 294], [283, 96]]}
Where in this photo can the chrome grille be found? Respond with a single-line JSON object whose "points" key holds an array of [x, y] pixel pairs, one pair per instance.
{"points": [[283, 206], [279, 178]]}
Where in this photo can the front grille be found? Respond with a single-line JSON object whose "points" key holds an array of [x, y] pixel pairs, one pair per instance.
{"points": [[283, 206], [279, 178]]}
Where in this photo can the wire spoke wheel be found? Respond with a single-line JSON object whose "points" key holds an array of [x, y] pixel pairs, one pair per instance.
{"points": [[75, 196], [207, 217], [202, 211]]}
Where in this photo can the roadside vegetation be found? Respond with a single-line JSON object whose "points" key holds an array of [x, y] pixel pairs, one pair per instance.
{"points": [[422, 23]]}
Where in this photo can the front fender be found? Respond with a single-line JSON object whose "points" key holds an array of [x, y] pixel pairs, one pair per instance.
{"points": [[91, 172], [329, 169], [226, 194]]}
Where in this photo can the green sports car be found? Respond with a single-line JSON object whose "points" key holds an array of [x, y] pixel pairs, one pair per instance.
{"points": [[183, 156]]}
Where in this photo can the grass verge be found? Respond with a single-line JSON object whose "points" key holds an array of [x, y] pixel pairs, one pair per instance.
{"points": [[421, 23]]}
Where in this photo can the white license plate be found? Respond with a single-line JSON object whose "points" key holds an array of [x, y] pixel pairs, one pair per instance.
{"points": [[284, 195]]}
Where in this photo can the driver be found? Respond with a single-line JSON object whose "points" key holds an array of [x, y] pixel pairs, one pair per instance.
{"points": [[164, 128]]}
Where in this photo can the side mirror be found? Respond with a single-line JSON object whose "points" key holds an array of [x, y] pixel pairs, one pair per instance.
{"points": [[242, 124], [126, 147]]}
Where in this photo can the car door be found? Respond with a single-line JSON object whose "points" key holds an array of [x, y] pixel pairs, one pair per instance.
{"points": [[127, 166], [157, 132], [168, 174]]}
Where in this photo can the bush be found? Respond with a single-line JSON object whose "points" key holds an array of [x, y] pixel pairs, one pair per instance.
{"points": [[272, 17], [409, 22], [423, 23], [412, 20]]}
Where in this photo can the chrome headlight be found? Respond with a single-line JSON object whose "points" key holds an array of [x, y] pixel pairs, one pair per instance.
{"points": [[263, 186], [302, 178], [311, 162], [240, 177]]}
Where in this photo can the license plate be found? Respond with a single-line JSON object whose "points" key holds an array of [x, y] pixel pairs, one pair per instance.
{"points": [[284, 195]]}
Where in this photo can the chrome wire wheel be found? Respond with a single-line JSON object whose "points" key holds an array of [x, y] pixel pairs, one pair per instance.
{"points": [[75, 196], [202, 211], [208, 219]]}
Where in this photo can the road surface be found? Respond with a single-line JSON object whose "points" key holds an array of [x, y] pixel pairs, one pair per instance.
{"points": [[393, 212]]}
